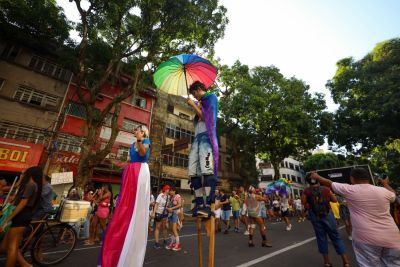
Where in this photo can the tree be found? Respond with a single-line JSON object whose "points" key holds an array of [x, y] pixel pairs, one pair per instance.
{"points": [[278, 114], [129, 38], [367, 92], [386, 159], [41, 19], [322, 161]]}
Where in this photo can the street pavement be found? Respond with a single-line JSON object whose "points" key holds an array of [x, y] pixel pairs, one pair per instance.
{"points": [[297, 248]]}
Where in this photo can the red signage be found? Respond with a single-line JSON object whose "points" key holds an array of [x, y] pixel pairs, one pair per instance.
{"points": [[16, 156], [64, 162]]}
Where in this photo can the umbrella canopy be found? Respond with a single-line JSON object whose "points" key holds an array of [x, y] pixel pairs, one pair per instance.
{"points": [[282, 187], [175, 75]]}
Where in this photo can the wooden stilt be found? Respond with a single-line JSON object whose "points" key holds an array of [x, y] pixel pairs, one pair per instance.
{"points": [[200, 242], [211, 240]]}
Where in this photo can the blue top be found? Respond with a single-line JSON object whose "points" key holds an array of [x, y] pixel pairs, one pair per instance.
{"points": [[134, 154]]}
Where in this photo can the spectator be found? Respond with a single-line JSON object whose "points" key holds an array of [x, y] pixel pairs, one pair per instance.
{"points": [[46, 200], [174, 207], [344, 215], [151, 207], [285, 211], [217, 211], [317, 198], [234, 201], [253, 206], [243, 209], [376, 238], [26, 202], [88, 196], [276, 205], [299, 209], [335, 211], [160, 215], [104, 201], [226, 210]]}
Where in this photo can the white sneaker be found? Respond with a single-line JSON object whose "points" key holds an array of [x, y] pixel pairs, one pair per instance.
{"points": [[289, 227], [246, 232], [350, 238]]}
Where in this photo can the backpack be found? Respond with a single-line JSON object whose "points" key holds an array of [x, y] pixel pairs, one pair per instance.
{"points": [[318, 203]]}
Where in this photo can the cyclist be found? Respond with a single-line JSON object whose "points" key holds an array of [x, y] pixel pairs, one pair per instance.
{"points": [[26, 201]]}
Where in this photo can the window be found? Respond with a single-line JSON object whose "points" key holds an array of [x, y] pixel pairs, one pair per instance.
{"points": [[123, 153], [291, 166], [297, 168], [129, 125], [293, 178], [2, 81], [266, 178], [299, 180], [139, 102], [31, 96], [108, 119], [20, 132], [286, 164], [170, 109], [10, 52], [184, 116], [175, 132], [76, 109], [69, 143], [282, 164], [176, 160], [283, 175], [49, 68]]}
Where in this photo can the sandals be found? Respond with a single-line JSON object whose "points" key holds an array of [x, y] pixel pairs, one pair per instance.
{"points": [[266, 244]]}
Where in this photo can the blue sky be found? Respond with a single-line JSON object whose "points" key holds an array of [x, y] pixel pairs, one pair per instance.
{"points": [[305, 38]]}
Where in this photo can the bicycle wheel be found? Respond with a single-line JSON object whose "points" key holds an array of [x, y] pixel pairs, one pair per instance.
{"points": [[54, 244]]}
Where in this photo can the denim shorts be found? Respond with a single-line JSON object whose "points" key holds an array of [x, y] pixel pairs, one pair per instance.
{"points": [[201, 161], [173, 218], [236, 214], [226, 215]]}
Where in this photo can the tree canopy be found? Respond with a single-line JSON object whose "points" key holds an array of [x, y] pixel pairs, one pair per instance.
{"points": [[129, 38], [277, 114], [42, 19], [368, 94]]}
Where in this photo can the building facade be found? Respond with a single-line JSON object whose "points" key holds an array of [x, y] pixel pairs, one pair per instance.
{"points": [[289, 168], [32, 89], [135, 111]]}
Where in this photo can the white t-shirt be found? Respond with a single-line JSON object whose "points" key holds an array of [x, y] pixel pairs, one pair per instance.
{"points": [[284, 204], [369, 207], [297, 204], [275, 203], [162, 201]]}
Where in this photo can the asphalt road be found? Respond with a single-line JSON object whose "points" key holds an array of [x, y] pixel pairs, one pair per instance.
{"points": [[295, 248]]}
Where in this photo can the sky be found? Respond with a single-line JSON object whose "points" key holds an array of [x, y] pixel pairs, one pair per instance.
{"points": [[303, 38]]}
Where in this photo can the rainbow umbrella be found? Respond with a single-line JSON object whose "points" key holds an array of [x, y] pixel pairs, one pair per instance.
{"points": [[175, 75]]}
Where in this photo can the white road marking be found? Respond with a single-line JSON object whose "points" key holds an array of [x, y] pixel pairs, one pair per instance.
{"points": [[270, 255]]}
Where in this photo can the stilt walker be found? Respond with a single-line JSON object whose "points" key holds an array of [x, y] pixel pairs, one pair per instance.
{"points": [[174, 76]]}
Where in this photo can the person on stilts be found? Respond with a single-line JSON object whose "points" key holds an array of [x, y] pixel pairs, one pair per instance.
{"points": [[203, 156]]}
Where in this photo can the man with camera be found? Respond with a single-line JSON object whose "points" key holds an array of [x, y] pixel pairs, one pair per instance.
{"points": [[376, 238]]}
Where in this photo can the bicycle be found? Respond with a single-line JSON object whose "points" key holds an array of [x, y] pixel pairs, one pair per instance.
{"points": [[53, 241]]}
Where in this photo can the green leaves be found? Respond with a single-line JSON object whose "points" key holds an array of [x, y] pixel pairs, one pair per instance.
{"points": [[278, 114], [369, 97]]}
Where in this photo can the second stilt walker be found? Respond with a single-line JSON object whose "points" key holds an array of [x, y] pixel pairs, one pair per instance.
{"points": [[203, 156]]}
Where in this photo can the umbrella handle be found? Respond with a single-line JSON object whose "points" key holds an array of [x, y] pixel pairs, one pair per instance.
{"points": [[187, 87]]}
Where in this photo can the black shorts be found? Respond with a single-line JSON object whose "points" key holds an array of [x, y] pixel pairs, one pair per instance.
{"points": [[23, 219], [285, 213], [276, 209]]}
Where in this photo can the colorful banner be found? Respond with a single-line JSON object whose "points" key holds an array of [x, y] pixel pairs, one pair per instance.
{"points": [[16, 156]]}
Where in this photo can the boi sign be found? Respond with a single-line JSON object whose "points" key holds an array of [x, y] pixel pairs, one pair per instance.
{"points": [[15, 156]]}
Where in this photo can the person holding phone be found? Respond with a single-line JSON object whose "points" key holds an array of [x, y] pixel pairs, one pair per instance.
{"points": [[376, 238]]}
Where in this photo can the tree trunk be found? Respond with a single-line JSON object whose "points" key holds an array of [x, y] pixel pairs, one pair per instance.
{"points": [[275, 164]]}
